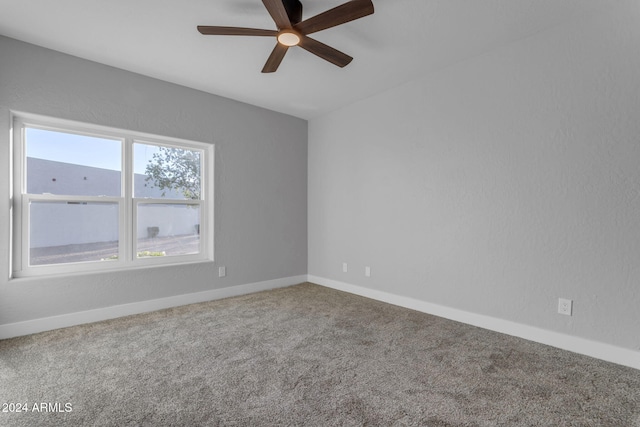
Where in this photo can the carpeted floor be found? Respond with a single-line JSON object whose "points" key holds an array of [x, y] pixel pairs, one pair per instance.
{"points": [[304, 355]]}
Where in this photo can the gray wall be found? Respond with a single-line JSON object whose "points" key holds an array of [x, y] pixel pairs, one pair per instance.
{"points": [[260, 179], [496, 185]]}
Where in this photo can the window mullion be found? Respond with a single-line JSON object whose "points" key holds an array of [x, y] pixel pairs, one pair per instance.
{"points": [[127, 211]]}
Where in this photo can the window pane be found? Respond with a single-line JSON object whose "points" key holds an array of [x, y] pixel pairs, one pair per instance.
{"points": [[64, 232], [77, 165], [168, 229], [166, 172]]}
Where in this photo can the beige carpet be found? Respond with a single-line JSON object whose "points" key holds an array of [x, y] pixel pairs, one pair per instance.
{"points": [[304, 355]]}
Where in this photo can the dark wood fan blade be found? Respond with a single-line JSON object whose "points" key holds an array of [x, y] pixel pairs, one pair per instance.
{"points": [[346, 12], [325, 52], [274, 60], [234, 31], [278, 12]]}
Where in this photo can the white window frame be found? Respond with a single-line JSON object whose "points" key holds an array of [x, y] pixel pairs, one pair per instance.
{"points": [[127, 203]]}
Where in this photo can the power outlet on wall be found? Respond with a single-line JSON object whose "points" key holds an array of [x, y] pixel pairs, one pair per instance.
{"points": [[367, 271], [344, 267], [565, 306], [222, 271]]}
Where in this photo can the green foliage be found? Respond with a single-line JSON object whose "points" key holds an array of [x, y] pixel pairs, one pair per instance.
{"points": [[175, 169], [144, 254]]}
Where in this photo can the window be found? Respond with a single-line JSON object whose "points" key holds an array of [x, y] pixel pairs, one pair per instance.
{"points": [[94, 198]]}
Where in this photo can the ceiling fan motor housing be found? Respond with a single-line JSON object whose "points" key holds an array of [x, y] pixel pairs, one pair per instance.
{"points": [[294, 10]]}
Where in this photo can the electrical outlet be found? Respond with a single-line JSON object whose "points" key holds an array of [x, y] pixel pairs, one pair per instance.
{"points": [[565, 306], [367, 271], [344, 267], [222, 271]]}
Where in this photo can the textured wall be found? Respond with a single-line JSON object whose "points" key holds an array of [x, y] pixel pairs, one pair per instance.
{"points": [[260, 178], [497, 185]]}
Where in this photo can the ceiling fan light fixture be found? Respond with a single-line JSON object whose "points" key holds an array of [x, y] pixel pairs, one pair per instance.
{"points": [[288, 38]]}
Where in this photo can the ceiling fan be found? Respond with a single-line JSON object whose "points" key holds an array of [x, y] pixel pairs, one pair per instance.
{"points": [[293, 31]]}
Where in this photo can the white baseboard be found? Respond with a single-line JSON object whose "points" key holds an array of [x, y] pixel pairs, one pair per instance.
{"points": [[599, 350], [65, 320]]}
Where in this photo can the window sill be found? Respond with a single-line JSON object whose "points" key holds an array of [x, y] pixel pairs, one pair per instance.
{"points": [[17, 277]]}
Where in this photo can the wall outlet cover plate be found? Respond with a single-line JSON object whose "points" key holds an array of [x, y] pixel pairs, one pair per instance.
{"points": [[565, 306]]}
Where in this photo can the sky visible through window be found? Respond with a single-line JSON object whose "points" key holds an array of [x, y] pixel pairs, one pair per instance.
{"points": [[84, 150]]}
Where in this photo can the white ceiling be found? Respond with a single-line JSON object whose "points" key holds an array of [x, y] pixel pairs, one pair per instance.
{"points": [[400, 41]]}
